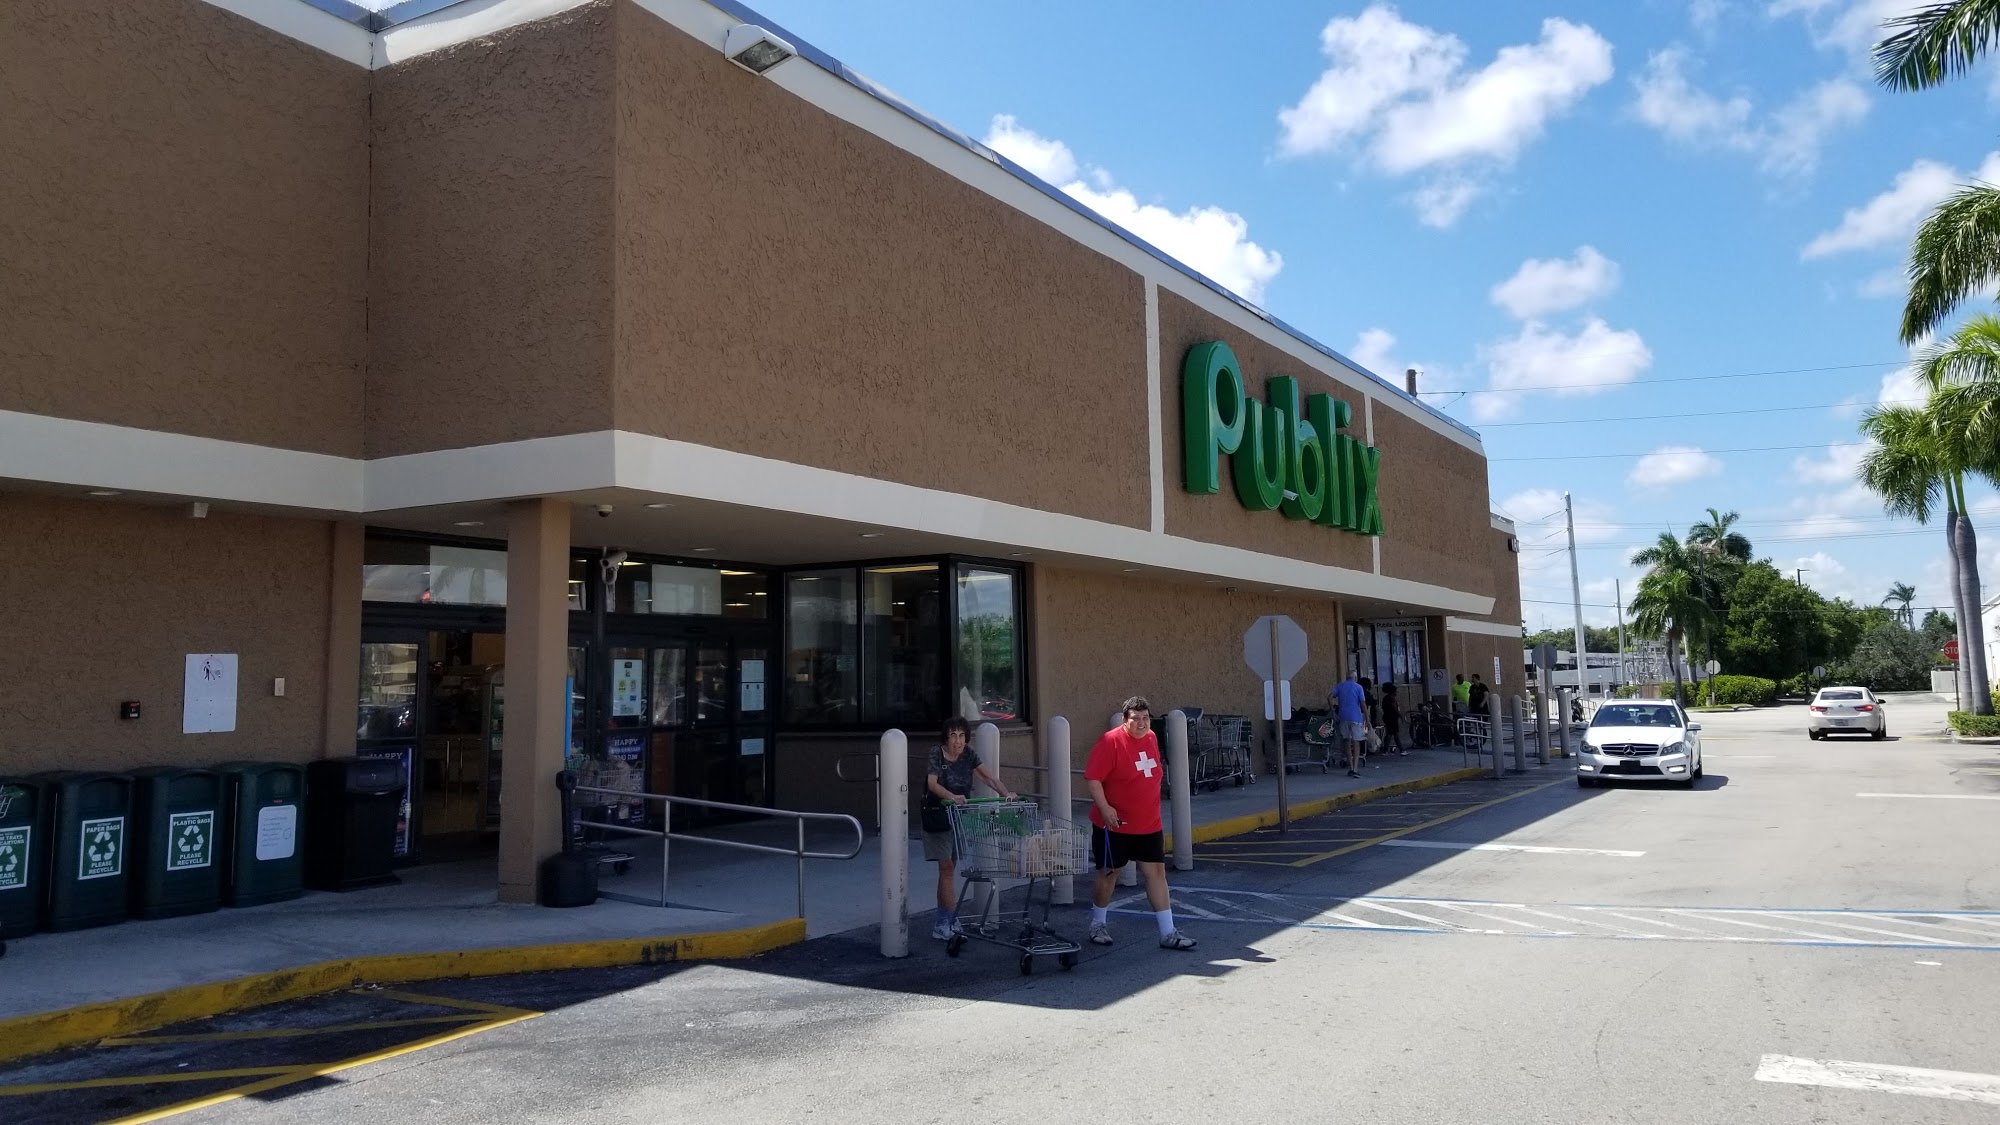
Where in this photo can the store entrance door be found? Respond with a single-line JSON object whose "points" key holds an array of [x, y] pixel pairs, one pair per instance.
{"points": [[688, 715], [433, 701]]}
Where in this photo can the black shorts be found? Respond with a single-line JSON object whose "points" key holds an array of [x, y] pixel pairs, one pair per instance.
{"points": [[1110, 851]]}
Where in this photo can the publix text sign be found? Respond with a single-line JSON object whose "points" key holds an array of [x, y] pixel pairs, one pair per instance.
{"points": [[1285, 455]]}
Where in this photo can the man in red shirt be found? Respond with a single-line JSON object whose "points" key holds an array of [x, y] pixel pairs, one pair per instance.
{"points": [[1124, 776]]}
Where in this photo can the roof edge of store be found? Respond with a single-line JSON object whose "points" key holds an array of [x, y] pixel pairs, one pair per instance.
{"points": [[376, 39]]}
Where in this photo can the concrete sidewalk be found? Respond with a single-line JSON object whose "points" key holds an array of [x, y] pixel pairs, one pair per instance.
{"points": [[451, 906]]}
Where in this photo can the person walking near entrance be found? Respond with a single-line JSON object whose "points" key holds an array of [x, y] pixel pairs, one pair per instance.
{"points": [[1124, 774], [1461, 694], [1475, 700], [1350, 703], [1392, 721], [948, 781]]}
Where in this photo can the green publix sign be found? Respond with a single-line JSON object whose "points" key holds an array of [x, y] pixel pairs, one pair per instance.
{"points": [[1297, 461]]}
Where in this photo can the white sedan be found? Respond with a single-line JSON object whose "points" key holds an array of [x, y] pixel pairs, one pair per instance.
{"points": [[1846, 710], [1640, 740]]}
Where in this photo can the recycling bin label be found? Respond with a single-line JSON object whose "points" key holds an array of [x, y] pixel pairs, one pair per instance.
{"points": [[101, 853], [190, 840], [13, 858], [277, 832]]}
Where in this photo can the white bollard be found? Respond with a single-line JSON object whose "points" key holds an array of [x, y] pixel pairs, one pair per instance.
{"points": [[1182, 786], [893, 797], [1495, 729], [1564, 700], [1062, 890], [986, 744]]}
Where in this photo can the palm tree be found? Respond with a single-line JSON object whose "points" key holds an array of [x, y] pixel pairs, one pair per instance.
{"points": [[1902, 595], [1956, 253], [1932, 44], [1921, 458], [1713, 535], [1676, 597]]}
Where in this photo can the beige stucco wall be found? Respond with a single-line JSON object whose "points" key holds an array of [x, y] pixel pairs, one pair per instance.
{"points": [[183, 222], [792, 286], [491, 302], [1435, 509], [104, 600]]}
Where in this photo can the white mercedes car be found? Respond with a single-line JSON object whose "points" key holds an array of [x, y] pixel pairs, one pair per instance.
{"points": [[1639, 740], [1846, 710]]}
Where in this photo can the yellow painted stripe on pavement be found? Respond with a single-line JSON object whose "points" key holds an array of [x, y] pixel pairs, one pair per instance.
{"points": [[88, 1023], [320, 1070], [140, 1080], [1239, 825], [284, 1032]]}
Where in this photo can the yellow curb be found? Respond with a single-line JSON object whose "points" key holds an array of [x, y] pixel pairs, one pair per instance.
{"points": [[1250, 822], [88, 1023]]}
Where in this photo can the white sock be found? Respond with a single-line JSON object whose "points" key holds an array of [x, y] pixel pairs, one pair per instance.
{"points": [[1099, 915], [1166, 920]]}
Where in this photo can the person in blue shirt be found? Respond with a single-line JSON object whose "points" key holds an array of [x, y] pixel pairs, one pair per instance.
{"points": [[1350, 706]]}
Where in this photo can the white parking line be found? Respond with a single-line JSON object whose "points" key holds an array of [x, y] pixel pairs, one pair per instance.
{"points": [[1436, 923], [1938, 796], [1700, 917], [1955, 1085], [1989, 935], [1827, 920], [1535, 849]]}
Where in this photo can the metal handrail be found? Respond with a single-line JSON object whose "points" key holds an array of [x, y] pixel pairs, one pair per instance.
{"points": [[667, 835]]}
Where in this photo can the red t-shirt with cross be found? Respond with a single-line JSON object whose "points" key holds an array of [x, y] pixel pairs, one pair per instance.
{"points": [[1130, 770]]}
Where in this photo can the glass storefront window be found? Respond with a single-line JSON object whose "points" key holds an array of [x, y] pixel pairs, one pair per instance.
{"points": [[690, 591], [820, 617], [414, 572], [711, 685], [628, 688], [989, 647], [669, 687], [388, 704], [902, 681]]}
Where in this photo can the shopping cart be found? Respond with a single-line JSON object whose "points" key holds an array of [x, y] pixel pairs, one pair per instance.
{"points": [[1013, 840], [1312, 739], [1222, 752]]}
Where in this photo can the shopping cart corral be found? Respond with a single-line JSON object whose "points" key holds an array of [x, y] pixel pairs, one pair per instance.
{"points": [[1012, 840]]}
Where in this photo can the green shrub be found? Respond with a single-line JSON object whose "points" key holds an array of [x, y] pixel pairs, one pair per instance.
{"points": [[1975, 726], [1627, 691], [1734, 691]]}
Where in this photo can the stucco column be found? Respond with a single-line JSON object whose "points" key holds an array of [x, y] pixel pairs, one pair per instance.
{"points": [[537, 672], [343, 640], [1437, 646]]}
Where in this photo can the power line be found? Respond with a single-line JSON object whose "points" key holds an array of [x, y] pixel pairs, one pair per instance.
{"points": [[1676, 379], [1699, 414], [1650, 452], [1779, 539]]}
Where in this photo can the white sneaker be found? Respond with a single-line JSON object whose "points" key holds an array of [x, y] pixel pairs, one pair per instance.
{"points": [[1100, 933], [942, 930], [1177, 940]]}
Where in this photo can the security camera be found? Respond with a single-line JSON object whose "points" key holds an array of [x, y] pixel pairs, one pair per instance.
{"points": [[604, 510], [615, 559]]}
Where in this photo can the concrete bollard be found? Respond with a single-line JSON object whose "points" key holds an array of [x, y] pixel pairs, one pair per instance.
{"points": [[1181, 784], [986, 743], [1542, 728], [1494, 728], [893, 808], [1062, 890], [1564, 701], [1520, 736]]}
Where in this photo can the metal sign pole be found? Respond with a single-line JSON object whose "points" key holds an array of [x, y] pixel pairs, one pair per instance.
{"points": [[1278, 718]]}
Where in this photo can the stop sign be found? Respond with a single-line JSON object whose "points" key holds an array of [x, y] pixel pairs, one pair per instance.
{"points": [[1951, 649]]}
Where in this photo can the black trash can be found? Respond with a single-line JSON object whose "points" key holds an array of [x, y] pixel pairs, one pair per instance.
{"points": [[24, 861], [177, 815], [89, 834], [352, 806], [263, 858]]}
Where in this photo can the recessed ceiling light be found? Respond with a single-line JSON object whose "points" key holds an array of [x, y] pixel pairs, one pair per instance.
{"points": [[470, 523], [1130, 570], [1018, 555], [103, 492], [1214, 581], [703, 550], [658, 506], [871, 535]]}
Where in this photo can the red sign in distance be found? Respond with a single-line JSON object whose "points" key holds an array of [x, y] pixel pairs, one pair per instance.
{"points": [[1951, 649]]}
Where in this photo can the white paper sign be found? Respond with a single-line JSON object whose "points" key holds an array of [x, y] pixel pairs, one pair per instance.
{"points": [[277, 831], [628, 688], [208, 697], [1496, 671]]}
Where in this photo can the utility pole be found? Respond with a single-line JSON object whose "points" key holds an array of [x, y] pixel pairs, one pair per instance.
{"points": [[1618, 596], [1576, 599]]}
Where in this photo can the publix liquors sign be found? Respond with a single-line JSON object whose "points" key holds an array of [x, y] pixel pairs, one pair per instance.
{"points": [[1285, 455]]}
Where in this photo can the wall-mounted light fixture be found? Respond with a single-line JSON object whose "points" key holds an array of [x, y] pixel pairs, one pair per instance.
{"points": [[755, 49]]}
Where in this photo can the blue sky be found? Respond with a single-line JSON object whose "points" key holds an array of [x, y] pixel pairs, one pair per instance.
{"points": [[1563, 210]]}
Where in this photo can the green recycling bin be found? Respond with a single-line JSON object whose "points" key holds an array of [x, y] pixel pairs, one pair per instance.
{"points": [[24, 863], [261, 853], [89, 832], [176, 868]]}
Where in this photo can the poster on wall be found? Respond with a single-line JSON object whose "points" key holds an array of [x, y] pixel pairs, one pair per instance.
{"points": [[1496, 671], [753, 686], [628, 688], [403, 754], [208, 694]]}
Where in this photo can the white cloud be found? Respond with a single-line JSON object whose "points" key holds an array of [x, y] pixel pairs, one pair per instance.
{"points": [[1889, 219], [1852, 26], [1211, 240], [1538, 516], [1890, 282], [1786, 143], [1400, 92], [1821, 565], [1902, 387], [1442, 202], [1372, 350], [1838, 466], [1706, 14], [1546, 285], [1670, 465], [1591, 361]]}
